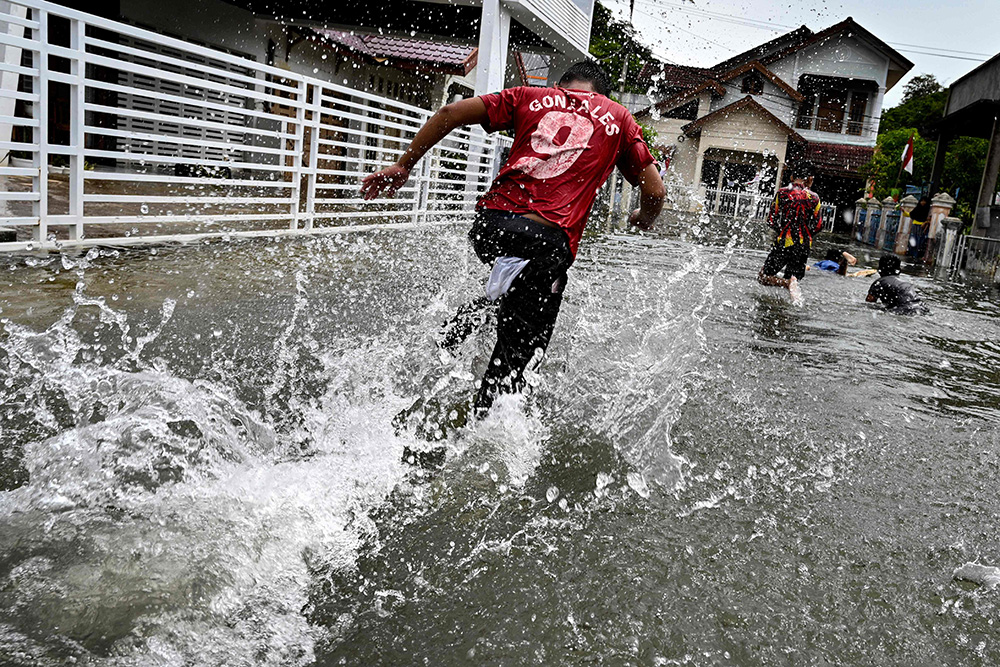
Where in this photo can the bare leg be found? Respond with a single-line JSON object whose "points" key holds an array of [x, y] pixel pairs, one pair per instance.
{"points": [[772, 281]]}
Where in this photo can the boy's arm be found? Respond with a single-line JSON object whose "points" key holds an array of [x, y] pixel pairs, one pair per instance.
{"points": [[873, 293], [464, 112], [651, 196]]}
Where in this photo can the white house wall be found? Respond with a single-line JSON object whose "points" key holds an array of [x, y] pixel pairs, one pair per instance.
{"points": [[840, 56], [774, 99]]}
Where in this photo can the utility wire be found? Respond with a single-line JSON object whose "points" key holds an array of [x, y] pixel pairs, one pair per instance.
{"points": [[774, 27]]}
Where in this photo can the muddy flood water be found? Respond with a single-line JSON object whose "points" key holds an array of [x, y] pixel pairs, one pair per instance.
{"points": [[199, 466]]}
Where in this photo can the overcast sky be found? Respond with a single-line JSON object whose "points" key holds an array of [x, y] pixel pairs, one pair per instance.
{"points": [[705, 32]]}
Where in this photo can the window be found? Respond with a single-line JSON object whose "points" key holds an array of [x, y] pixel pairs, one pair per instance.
{"points": [[753, 84], [687, 111]]}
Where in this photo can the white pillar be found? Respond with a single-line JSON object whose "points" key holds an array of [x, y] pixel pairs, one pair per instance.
{"points": [[494, 31], [876, 114], [9, 55]]}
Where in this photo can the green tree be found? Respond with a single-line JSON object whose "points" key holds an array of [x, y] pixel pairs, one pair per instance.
{"points": [[922, 107], [921, 85], [610, 40], [884, 167]]}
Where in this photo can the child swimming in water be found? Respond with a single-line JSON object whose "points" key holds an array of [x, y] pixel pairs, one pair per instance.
{"points": [[898, 297]]}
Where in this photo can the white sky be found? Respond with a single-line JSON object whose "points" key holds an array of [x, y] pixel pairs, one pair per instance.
{"points": [[678, 31]]}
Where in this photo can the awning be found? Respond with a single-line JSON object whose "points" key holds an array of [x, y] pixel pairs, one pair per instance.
{"points": [[838, 159]]}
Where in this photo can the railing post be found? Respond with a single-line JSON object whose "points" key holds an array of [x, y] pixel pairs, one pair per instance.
{"points": [[298, 146], [941, 205], [873, 206], [41, 114], [858, 206], [906, 205], [951, 227], [888, 204], [77, 128], [313, 98]]}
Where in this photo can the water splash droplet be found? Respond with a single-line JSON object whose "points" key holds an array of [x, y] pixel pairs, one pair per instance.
{"points": [[637, 483], [552, 493]]}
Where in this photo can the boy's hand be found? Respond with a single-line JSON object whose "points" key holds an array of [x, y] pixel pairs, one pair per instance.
{"points": [[388, 180], [636, 219]]}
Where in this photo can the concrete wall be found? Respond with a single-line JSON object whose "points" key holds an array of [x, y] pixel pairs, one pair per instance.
{"points": [[982, 83]]}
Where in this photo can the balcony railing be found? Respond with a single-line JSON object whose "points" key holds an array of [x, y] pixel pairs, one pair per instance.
{"points": [[834, 125]]}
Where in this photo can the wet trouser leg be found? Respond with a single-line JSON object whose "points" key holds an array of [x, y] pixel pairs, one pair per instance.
{"points": [[527, 313]]}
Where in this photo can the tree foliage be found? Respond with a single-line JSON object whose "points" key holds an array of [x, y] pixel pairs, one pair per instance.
{"points": [[611, 40], [922, 106], [884, 167], [922, 85]]}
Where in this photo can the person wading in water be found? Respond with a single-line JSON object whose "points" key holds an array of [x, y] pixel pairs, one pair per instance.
{"points": [[567, 141], [795, 215]]}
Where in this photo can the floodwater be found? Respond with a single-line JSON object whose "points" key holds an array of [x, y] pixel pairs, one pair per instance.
{"points": [[200, 468]]}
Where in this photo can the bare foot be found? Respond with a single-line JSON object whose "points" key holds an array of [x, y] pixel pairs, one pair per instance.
{"points": [[795, 292]]}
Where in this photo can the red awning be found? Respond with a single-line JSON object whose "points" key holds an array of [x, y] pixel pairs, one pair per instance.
{"points": [[840, 159]]}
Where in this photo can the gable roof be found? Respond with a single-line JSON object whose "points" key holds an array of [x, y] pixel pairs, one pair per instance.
{"points": [[683, 96], [440, 56], [848, 24], [717, 88], [771, 76], [796, 36], [748, 103]]}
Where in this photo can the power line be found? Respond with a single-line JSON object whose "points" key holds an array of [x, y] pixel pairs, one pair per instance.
{"points": [[774, 27]]}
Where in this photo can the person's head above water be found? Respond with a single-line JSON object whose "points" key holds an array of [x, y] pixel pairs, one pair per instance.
{"points": [[888, 265], [834, 255], [587, 75], [802, 171]]}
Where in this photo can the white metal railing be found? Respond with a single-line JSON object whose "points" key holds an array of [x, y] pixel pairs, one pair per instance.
{"points": [[732, 203], [864, 128], [976, 255], [151, 134]]}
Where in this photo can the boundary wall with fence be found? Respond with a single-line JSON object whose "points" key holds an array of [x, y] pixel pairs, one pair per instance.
{"points": [[114, 132]]}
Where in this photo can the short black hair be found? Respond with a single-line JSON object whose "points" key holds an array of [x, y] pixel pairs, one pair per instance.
{"points": [[591, 72], [888, 265], [803, 170], [834, 255]]}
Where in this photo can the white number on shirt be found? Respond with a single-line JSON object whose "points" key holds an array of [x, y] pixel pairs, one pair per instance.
{"points": [[560, 157]]}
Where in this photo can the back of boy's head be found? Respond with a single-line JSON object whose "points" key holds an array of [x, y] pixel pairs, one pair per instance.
{"points": [[888, 265], [590, 72], [802, 171], [834, 255]]}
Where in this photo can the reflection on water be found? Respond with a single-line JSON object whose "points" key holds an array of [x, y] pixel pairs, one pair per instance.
{"points": [[200, 466]]}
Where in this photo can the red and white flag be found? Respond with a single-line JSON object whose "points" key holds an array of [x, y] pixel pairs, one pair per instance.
{"points": [[908, 156]]}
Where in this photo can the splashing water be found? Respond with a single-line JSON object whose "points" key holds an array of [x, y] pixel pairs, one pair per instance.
{"points": [[201, 466]]}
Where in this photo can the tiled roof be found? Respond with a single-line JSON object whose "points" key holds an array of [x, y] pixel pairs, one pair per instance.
{"points": [[838, 158], [748, 103], [458, 57]]}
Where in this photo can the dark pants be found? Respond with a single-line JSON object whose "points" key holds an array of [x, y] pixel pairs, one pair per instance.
{"points": [[527, 312], [792, 259]]}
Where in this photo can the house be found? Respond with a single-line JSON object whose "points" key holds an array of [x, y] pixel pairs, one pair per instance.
{"points": [[733, 128]]}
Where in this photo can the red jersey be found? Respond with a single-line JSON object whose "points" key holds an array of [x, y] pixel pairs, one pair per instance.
{"points": [[795, 215], [566, 142]]}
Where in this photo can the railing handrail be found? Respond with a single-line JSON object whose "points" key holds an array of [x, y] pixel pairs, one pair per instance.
{"points": [[229, 118]]}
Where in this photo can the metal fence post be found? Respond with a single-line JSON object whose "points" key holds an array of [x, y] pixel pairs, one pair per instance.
{"points": [[315, 108], [41, 114], [297, 148], [77, 129]]}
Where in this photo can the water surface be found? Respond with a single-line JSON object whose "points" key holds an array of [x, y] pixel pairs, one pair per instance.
{"points": [[201, 469]]}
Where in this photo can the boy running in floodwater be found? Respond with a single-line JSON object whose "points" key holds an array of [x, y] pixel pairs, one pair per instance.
{"points": [[795, 215], [897, 296], [567, 140]]}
